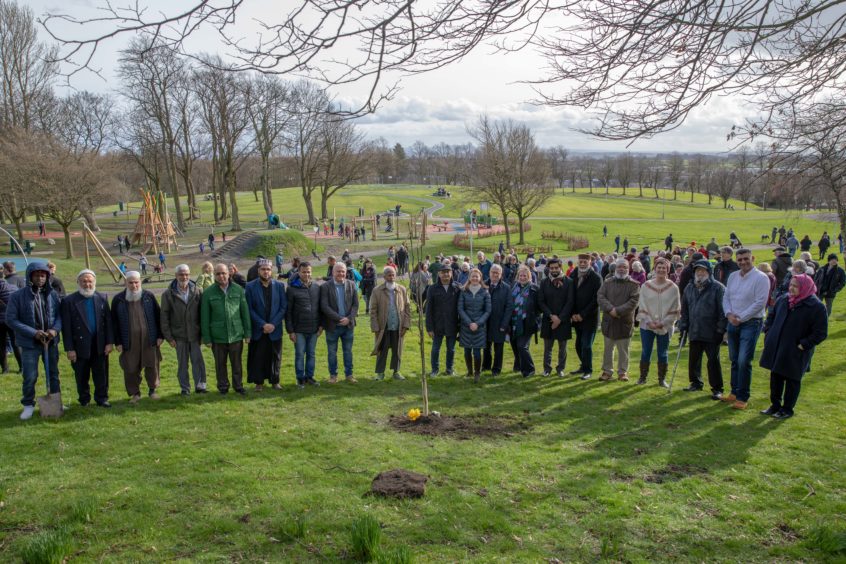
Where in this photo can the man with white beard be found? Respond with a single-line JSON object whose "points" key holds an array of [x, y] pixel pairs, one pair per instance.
{"points": [[138, 336], [181, 329], [88, 337]]}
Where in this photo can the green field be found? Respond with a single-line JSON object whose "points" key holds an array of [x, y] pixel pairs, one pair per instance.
{"points": [[597, 471]]}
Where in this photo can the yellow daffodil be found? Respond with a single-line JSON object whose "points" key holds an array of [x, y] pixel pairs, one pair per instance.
{"points": [[413, 414]]}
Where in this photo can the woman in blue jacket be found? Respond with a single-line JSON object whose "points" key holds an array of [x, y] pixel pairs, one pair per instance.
{"points": [[474, 308]]}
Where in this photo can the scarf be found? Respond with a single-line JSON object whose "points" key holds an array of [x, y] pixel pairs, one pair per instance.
{"points": [[557, 281], [807, 288], [519, 314]]}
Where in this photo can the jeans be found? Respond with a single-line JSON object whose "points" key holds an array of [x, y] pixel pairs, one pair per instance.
{"points": [[829, 301], [304, 356], [523, 361], [741, 343], [585, 334], [647, 340], [436, 351], [345, 334], [30, 359]]}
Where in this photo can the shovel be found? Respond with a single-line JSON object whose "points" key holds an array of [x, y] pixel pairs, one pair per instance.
{"points": [[49, 406]]}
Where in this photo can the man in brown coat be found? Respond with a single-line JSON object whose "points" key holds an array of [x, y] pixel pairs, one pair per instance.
{"points": [[617, 297], [390, 319]]}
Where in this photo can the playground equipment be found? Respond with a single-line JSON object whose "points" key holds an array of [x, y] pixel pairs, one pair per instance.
{"points": [[150, 231], [111, 265]]}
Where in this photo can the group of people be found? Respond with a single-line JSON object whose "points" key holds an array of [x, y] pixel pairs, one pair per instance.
{"points": [[479, 306]]}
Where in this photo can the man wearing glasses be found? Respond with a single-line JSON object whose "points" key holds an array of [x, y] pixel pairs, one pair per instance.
{"points": [[744, 303]]}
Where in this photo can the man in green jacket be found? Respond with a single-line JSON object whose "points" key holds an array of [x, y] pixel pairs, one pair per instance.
{"points": [[225, 325]]}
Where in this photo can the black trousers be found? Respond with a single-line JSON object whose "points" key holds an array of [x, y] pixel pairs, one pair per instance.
{"points": [[95, 367], [390, 342], [694, 365], [585, 334], [228, 353], [7, 332], [548, 345], [784, 392], [523, 361], [493, 362]]}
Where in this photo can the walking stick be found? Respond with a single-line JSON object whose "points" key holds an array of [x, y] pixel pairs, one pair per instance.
{"points": [[678, 357]]}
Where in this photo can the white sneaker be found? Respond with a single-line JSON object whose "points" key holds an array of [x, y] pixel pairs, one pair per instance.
{"points": [[27, 412]]}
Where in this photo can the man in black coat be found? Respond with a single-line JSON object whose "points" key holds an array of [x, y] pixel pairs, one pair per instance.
{"points": [[687, 274], [88, 337], [830, 279], [442, 319], [704, 321], [726, 266], [781, 264], [555, 300], [498, 322], [585, 316]]}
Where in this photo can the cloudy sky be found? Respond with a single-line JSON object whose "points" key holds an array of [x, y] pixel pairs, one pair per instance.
{"points": [[438, 106]]}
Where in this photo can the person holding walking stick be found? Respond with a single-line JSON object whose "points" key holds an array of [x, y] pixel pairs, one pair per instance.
{"points": [[704, 322]]}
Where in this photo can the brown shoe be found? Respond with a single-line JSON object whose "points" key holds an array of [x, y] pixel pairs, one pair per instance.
{"points": [[135, 399], [739, 405], [623, 377], [729, 398], [352, 380], [606, 376], [333, 379], [155, 396], [259, 387]]}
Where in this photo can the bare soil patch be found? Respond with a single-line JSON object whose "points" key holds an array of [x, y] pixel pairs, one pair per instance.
{"points": [[399, 484], [672, 473], [459, 426]]}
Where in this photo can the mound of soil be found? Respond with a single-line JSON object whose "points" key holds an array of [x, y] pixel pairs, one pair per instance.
{"points": [[458, 427], [399, 483]]}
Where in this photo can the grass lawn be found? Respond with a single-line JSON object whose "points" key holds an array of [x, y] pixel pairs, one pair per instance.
{"points": [[601, 471]]}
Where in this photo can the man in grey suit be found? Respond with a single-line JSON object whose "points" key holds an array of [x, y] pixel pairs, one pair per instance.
{"points": [[339, 308]]}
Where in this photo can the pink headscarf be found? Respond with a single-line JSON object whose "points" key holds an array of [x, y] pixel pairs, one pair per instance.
{"points": [[806, 288]]}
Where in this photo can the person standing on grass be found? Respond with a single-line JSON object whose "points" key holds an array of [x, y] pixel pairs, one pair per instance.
{"points": [[7, 335], [658, 309], [474, 309], [824, 244], [618, 297], [585, 316], [138, 336], [33, 313], [339, 306], [89, 338], [181, 328], [797, 325], [524, 320], [442, 320], [303, 323], [13, 278], [368, 282], [744, 303], [704, 322], [225, 325], [280, 260], [498, 322], [162, 261], [142, 264], [390, 319], [829, 280], [267, 303], [556, 299], [56, 282]]}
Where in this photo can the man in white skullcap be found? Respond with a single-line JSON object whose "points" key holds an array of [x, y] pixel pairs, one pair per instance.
{"points": [[88, 338]]}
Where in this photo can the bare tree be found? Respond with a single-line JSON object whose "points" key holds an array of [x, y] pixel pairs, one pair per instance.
{"points": [[675, 172], [345, 158], [625, 170], [606, 172], [723, 180], [222, 96], [150, 72], [745, 179], [655, 175], [267, 108], [530, 185], [492, 169]]}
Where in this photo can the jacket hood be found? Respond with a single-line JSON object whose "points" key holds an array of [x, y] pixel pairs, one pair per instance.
{"points": [[37, 265], [703, 264]]}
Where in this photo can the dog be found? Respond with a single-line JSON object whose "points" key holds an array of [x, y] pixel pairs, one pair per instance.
{"points": [[765, 238]]}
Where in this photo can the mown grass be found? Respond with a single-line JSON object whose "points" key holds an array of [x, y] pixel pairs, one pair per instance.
{"points": [[603, 471]]}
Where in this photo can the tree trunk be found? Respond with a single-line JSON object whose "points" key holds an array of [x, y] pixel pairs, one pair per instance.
{"points": [[309, 206], [267, 197], [507, 230], [675, 192], [19, 228], [520, 221], [214, 182], [90, 219], [68, 242], [233, 202], [174, 182], [691, 194]]}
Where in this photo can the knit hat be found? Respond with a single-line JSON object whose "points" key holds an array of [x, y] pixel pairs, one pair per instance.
{"points": [[85, 271], [584, 256]]}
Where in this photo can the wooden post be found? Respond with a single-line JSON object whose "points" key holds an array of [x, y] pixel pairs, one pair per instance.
{"points": [[373, 230], [85, 246]]}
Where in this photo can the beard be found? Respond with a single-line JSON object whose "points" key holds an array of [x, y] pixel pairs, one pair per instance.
{"points": [[86, 293], [621, 275], [133, 296], [390, 285], [699, 280]]}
